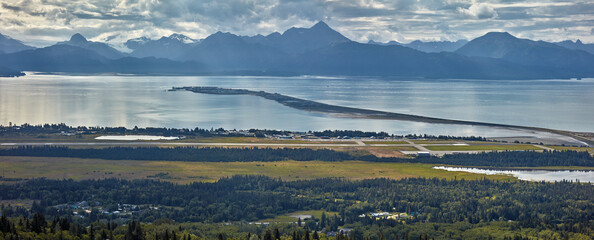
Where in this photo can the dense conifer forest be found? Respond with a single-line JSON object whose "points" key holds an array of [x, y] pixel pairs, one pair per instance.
{"points": [[562, 208]]}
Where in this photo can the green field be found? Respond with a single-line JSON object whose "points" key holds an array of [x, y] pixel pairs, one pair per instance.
{"points": [[185, 172], [294, 216], [484, 147]]}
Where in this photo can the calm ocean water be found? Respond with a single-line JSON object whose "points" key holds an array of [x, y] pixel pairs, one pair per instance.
{"points": [[144, 101]]}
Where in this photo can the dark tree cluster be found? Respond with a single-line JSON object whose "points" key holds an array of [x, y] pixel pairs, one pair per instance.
{"points": [[27, 129], [192, 154]]}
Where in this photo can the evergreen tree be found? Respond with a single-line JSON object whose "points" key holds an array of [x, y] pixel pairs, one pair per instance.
{"points": [[38, 224], [267, 235], [91, 233]]}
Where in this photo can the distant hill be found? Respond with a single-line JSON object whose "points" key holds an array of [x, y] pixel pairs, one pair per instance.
{"points": [[172, 47], [577, 45], [56, 58], [102, 49], [68, 58], [429, 47], [502, 45], [9, 45]]}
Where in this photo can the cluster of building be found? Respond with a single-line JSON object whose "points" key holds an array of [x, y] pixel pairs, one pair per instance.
{"points": [[75, 132], [386, 215], [84, 208]]}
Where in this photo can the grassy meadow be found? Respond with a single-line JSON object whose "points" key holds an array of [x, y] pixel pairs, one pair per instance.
{"points": [[186, 172]]}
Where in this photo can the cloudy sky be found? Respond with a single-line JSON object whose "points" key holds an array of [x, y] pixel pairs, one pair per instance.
{"points": [[44, 22]]}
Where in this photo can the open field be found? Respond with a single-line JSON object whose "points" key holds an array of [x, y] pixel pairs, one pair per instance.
{"points": [[294, 216], [185, 172], [484, 147]]}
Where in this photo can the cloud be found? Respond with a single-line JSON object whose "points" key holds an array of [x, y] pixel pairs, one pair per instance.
{"points": [[479, 11], [11, 7], [44, 22]]}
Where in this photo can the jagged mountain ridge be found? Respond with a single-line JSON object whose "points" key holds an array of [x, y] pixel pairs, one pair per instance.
{"points": [[316, 50]]}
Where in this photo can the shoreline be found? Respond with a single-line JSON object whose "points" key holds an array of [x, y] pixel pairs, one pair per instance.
{"points": [[350, 112]]}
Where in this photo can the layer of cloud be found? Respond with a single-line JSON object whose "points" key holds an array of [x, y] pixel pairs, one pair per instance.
{"points": [[44, 22]]}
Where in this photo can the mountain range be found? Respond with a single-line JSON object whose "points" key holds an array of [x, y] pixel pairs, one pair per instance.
{"points": [[319, 50], [429, 47], [172, 47]]}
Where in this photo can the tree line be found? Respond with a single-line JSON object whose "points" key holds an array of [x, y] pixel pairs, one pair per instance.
{"points": [[28, 129]]}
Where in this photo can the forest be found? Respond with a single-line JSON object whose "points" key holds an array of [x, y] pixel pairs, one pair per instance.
{"points": [[252, 154], [435, 208]]}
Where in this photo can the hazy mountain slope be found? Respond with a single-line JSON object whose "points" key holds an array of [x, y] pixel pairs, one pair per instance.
{"points": [[442, 46], [9, 45], [102, 49], [577, 45], [439, 46], [527, 52], [57, 58], [67, 58], [152, 65], [229, 52], [172, 47], [374, 60]]}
